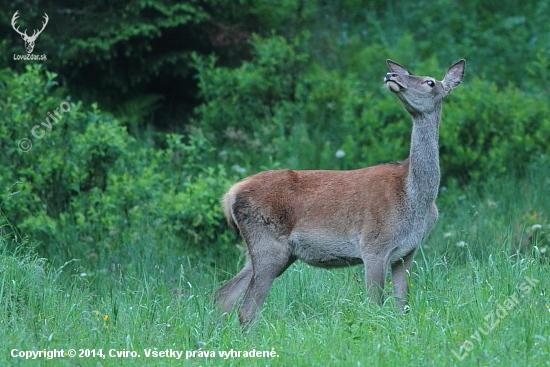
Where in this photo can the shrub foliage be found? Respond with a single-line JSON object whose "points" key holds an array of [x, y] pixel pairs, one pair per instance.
{"points": [[87, 173]]}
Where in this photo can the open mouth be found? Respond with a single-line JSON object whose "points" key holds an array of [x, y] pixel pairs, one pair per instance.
{"points": [[394, 85]]}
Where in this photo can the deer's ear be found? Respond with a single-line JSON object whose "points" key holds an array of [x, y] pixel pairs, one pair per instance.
{"points": [[396, 68], [454, 75]]}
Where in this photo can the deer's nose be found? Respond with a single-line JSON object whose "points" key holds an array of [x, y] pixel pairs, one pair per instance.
{"points": [[390, 75]]}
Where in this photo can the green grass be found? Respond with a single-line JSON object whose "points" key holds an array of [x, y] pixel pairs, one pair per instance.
{"points": [[312, 317]]}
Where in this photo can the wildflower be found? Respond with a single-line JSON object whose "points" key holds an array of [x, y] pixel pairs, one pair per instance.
{"points": [[534, 227], [340, 153], [461, 244], [105, 317]]}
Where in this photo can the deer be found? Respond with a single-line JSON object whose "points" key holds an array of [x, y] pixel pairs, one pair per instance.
{"points": [[376, 216], [29, 40]]}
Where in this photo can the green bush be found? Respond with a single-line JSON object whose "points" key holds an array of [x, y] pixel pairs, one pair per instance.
{"points": [[67, 150], [283, 107], [249, 107], [492, 131], [86, 183]]}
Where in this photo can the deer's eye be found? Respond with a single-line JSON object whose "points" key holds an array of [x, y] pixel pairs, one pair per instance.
{"points": [[430, 83]]}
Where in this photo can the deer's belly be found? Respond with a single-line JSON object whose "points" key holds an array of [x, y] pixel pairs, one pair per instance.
{"points": [[325, 250]]}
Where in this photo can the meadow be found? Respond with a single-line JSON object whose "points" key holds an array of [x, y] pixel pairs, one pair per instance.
{"points": [[479, 296]]}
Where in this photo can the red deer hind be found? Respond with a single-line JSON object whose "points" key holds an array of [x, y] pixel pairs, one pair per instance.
{"points": [[376, 216]]}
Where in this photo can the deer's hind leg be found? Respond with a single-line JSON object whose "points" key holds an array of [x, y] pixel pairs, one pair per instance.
{"points": [[230, 292], [270, 258]]}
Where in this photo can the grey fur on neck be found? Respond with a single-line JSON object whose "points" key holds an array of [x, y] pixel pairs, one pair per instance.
{"points": [[424, 173]]}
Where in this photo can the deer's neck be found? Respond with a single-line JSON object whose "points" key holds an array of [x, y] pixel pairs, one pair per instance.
{"points": [[424, 174]]}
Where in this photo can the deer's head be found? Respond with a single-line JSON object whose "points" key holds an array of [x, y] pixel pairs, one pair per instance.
{"points": [[29, 40], [421, 94]]}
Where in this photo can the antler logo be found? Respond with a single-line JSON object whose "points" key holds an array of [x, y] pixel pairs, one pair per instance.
{"points": [[29, 40]]}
